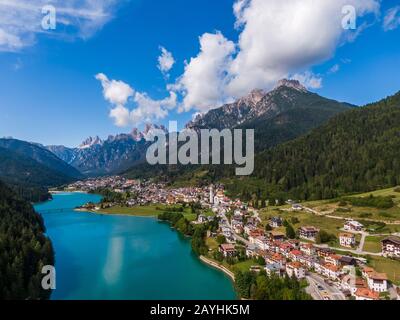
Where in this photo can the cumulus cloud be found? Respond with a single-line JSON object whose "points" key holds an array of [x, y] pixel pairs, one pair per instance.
{"points": [[145, 109], [205, 79], [115, 92], [392, 19], [165, 61], [278, 38], [149, 110], [308, 79], [20, 20]]}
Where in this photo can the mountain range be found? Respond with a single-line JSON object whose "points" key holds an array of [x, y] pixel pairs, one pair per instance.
{"points": [[286, 112], [355, 151], [298, 138], [95, 156], [277, 116]]}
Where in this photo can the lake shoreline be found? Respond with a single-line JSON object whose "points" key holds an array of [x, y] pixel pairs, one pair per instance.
{"points": [[203, 259], [117, 236], [114, 214], [219, 267]]}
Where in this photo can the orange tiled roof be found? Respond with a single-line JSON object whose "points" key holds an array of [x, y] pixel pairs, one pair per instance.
{"points": [[334, 256], [347, 235], [295, 252], [331, 267], [367, 293], [295, 265], [227, 247]]}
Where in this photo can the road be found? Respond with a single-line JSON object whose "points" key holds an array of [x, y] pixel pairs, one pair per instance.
{"points": [[235, 236], [357, 252], [239, 238], [362, 241], [331, 292]]}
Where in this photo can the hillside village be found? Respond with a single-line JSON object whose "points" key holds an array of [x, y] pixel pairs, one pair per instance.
{"points": [[333, 270]]}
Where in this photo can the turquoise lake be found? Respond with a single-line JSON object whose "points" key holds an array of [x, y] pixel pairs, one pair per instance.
{"points": [[122, 257]]}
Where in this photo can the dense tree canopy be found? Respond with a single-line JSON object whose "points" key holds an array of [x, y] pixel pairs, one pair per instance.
{"points": [[24, 249], [250, 285]]}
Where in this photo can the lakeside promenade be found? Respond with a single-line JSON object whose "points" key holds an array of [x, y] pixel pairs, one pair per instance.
{"points": [[218, 266]]}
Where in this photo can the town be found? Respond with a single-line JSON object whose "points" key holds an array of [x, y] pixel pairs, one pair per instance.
{"points": [[268, 243]]}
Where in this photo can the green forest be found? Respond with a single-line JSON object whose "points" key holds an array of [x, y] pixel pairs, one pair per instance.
{"points": [[24, 249], [250, 285]]}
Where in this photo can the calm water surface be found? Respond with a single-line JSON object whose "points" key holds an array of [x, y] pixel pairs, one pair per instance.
{"points": [[121, 257]]}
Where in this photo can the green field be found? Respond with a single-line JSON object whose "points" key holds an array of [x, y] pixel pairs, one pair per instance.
{"points": [[332, 207], [305, 219], [212, 243], [388, 266], [243, 266], [145, 211], [373, 244]]}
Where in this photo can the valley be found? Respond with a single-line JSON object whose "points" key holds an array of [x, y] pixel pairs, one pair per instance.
{"points": [[332, 158]]}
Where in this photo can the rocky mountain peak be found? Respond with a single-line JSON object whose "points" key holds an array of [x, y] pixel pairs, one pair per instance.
{"points": [[91, 141], [253, 97], [148, 132], [294, 84], [136, 134]]}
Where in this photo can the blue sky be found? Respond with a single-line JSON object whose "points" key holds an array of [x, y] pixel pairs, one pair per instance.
{"points": [[49, 93]]}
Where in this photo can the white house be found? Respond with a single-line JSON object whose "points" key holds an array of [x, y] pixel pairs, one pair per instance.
{"points": [[391, 247], [347, 240], [308, 232], [261, 243], [307, 248], [273, 268], [353, 225], [377, 281], [295, 269]]}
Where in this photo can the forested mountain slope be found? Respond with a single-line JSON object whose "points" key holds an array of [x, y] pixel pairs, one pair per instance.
{"points": [[24, 248]]}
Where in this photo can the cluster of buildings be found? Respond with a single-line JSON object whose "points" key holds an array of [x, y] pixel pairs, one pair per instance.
{"points": [[145, 192], [113, 183], [297, 258]]}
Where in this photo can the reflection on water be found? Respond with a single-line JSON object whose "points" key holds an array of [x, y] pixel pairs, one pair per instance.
{"points": [[113, 266]]}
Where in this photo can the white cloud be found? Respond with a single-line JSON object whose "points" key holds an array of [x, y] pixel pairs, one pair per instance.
{"points": [[392, 19], [149, 110], [204, 80], [335, 68], [277, 38], [308, 79], [20, 20], [165, 61], [119, 94], [116, 92]]}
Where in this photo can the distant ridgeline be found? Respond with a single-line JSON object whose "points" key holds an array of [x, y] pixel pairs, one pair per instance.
{"points": [[24, 249], [355, 151], [30, 169]]}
